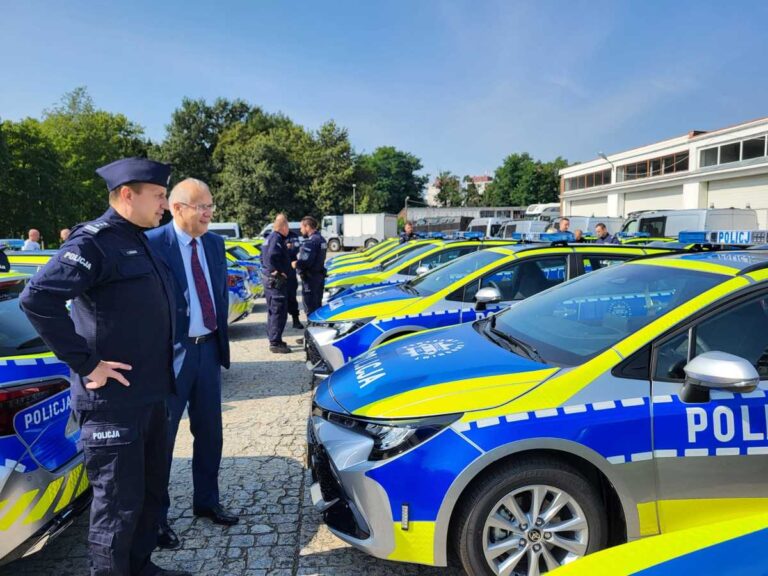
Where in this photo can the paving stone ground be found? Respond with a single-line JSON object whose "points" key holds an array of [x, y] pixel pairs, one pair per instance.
{"points": [[266, 399]]}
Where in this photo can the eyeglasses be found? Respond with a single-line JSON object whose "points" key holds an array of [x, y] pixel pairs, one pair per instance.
{"points": [[201, 207]]}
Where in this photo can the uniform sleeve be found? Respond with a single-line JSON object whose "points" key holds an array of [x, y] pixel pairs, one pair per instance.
{"points": [[307, 256], [275, 257], [68, 274]]}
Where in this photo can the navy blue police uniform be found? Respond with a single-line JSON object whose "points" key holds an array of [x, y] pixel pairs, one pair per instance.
{"points": [[198, 383], [5, 264], [275, 258], [122, 311], [405, 237], [292, 245], [608, 239], [311, 266]]}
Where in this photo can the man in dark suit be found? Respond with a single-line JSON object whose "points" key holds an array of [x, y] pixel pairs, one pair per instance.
{"points": [[199, 269]]}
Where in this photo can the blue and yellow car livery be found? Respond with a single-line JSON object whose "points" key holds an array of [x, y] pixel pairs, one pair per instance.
{"points": [[624, 403], [240, 293], [423, 256], [42, 481], [357, 320], [365, 255], [380, 261]]}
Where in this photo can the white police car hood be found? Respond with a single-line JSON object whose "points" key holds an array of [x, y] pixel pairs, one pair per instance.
{"points": [[448, 370]]}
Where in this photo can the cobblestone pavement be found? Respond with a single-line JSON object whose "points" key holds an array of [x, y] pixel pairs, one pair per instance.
{"points": [[266, 400]]}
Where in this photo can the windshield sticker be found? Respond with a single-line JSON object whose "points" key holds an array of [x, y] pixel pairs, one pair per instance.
{"points": [[435, 348], [333, 304]]}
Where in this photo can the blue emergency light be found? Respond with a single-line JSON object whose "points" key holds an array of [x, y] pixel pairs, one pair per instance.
{"points": [[543, 236], [634, 235], [731, 237], [472, 235], [438, 235]]}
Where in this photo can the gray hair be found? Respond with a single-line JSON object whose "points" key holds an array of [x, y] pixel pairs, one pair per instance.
{"points": [[180, 192]]}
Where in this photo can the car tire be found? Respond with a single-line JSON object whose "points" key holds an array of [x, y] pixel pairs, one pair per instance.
{"points": [[479, 540], [334, 245], [371, 242]]}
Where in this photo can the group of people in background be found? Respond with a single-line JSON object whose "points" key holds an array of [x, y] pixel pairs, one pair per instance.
{"points": [[602, 236], [283, 256]]}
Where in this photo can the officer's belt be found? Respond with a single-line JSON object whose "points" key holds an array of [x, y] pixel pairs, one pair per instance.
{"points": [[201, 339]]}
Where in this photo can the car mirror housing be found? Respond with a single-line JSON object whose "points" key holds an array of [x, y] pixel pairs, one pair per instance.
{"points": [[721, 371]]}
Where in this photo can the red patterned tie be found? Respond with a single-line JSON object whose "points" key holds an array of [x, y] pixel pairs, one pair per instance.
{"points": [[201, 286]]}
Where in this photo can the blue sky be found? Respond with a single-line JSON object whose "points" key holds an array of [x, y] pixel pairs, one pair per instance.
{"points": [[461, 84]]}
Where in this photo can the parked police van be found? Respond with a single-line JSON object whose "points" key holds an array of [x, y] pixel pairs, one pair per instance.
{"points": [[511, 227], [658, 223], [225, 229], [489, 227], [587, 223]]}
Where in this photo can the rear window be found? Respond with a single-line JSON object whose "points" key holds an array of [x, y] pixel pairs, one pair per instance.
{"points": [[17, 336]]}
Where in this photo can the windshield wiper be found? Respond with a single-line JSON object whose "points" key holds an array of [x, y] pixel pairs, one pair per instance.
{"points": [[408, 287], [36, 341], [514, 344]]}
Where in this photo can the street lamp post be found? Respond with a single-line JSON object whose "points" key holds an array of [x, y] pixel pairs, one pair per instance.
{"points": [[354, 198], [406, 207]]}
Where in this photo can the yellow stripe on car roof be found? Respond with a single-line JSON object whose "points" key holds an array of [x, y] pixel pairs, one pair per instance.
{"points": [[695, 265]]}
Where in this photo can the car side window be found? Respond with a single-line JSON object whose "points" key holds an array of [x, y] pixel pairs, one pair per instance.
{"points": [[596, 262], [438, 259], [522, 279], [739, 330]]}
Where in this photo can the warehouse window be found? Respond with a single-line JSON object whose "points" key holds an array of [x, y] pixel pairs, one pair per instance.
{"points": [[588, 181], [654, 167], [733, 152]]}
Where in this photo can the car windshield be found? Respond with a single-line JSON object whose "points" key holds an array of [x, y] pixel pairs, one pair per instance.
{"points": [[395, 261], [17, 336], [576, 321], [454, 271], [240, 253]]}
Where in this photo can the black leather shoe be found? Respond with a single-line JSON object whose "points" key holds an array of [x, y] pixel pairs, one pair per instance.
{"points": [[166, 538], [279, 349], [297, 323], [217, 514]]}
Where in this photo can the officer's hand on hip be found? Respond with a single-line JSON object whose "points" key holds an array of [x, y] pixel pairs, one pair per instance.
{"points": [[293, 264], [105, 370]]}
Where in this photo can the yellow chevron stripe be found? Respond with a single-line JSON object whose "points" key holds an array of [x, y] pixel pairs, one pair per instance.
{"points": [[2, 504], [15, 512], [759, 274], [696, 265], [69, 490], [649, 519], [83, 486], [417, 544], [45, 502], [30, 356]]}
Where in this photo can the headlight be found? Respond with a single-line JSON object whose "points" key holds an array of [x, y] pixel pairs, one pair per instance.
{"points": [[331, 293], [348, 326], [393, 437]]}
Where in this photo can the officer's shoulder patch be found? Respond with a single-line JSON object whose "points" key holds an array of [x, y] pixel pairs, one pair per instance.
{"points": [[69, 256], [95, 227]]}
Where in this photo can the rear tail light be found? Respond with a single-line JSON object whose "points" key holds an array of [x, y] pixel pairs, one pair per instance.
{"points": [[13, 400]]}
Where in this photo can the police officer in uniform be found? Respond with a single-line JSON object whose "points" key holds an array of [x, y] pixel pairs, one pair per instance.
{"points": [[408, 233], [311, 265], [276, 265], [292, 245], [118, 342]]}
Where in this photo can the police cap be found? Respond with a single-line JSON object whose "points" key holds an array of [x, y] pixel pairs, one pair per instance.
{"points": [[130, 170]]}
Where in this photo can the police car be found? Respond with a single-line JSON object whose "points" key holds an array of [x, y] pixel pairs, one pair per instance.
{"points": [[725, 547], [252, 265], [624, 403], [43, 485], [424, 256], [367, 254], [381, 260], [463, 290]]}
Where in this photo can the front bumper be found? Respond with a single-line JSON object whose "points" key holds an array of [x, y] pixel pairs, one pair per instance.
{"points": [[323, 357], [355, 507]]}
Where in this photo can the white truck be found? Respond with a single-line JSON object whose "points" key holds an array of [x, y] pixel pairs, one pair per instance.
{"points": [[543, 211], [225, 229], [660, 223], [357, 230]]}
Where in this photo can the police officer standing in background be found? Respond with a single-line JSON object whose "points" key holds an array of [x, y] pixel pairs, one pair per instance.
{"points": [[408, 233], [311, 265], [292, 245], [276, 265], [118, 342]]}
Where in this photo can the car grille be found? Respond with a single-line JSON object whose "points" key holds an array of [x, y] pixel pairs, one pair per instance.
{"points": [[313, 355]]}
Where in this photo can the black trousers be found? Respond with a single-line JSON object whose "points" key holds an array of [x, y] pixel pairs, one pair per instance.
{"points": [[312, 293], [125, 459], [277, 314], [292, 302]]}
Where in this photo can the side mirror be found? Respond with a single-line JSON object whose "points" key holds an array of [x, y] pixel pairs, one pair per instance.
{"points": [[721, 371], [421, 270], [485, 296]]}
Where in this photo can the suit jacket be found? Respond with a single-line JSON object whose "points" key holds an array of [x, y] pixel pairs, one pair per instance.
{"points": [[166, 245]]}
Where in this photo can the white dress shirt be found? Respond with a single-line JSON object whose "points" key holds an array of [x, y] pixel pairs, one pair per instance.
{"points": [[194, 310]]}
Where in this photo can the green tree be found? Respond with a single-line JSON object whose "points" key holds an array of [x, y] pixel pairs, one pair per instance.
{"points": [[331, 167], [472, 196], [386, 177], [450, 189], [85, 139], [194, 132], [30, 177], [521, 181]]}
